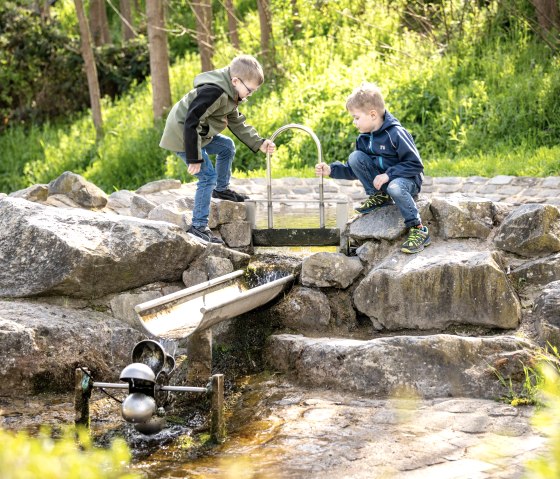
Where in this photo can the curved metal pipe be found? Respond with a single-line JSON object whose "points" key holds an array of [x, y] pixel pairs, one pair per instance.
{"points": [[269, 172]]}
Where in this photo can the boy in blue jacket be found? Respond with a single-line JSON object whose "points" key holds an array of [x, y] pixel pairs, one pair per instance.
{"points": [[385, 161]]}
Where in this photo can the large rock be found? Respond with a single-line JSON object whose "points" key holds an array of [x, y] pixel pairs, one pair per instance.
{"points": [[140, 206], [462, 217], [79, 190], [428, 366], [385, 223], [158, 186], [32, 193], [236, 235], [41, 345], [120, 201], [325, 270], [222, 212], [530, 230], [546, 311], [303, 309], [45, 250], [216, 260], [537, 272], [439, 289], [178, 212]]}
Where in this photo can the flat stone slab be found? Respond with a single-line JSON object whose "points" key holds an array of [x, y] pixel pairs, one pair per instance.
{"points": [[308, 434], [440, 365]]}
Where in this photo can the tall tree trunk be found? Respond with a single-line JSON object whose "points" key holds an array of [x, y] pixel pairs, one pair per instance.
{"points": [[547, 14], [91, 69], [232, 24], [203, 12], [99, 24], [126, 20], [296, 20], [265, 19], [43, 7], [159, 58]]}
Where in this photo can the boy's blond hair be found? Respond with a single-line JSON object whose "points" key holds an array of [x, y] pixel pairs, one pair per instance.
{"points": [[247, 68], [366, 97]]}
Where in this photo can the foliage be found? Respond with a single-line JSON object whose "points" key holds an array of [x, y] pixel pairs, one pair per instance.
{"points": [[535, 378], [547, 420], [23, 456], [42, 73], [472, 81]]}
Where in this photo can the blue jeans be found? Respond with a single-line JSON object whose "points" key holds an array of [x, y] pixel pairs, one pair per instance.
{"points": [[401, 190], [210, 178]]}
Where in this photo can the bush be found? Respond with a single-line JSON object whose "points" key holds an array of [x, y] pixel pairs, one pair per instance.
{"points": [[42, 74], [23, 456]]}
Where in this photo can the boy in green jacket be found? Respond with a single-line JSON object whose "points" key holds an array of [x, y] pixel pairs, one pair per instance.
{"points": [[193, 128]]}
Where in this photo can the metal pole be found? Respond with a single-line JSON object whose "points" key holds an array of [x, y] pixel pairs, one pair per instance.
{"points": [[82, 393], [269, 188], [218, 424], [183, 389], [269, 172]]}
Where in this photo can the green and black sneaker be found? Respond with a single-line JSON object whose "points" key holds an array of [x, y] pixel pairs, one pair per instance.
{"points": [[418, 239], [376, 200]]}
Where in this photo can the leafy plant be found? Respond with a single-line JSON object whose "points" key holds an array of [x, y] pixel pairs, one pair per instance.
{"points": [[547, 420], [23, 456]]}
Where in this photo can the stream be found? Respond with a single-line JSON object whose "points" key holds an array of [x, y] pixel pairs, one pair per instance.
{"points": [[278, 430]]}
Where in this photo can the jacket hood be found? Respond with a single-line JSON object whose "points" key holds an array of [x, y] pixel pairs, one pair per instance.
{"points": [[388, 122], [220, 78]]}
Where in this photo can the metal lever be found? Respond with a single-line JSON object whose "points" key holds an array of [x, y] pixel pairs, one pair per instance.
{"points": [[269, 173]]}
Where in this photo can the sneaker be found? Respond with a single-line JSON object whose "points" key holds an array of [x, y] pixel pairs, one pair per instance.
{"points": [[376, 200], [418, 239], [229, 195], [205, 235]]}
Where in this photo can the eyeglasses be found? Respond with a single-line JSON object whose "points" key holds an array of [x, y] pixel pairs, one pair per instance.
{"points": [[249, 90]]}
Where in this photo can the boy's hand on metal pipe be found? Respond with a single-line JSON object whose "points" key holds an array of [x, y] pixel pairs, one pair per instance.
{"points": [[194, 168], [267, 146], [322, 169], [380, 180]]}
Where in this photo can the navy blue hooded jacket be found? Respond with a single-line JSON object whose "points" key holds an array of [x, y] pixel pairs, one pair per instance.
{"points": [[392, 151]]}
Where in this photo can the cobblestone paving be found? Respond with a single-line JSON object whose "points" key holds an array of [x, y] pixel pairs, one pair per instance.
{"points": [[510, 189]]}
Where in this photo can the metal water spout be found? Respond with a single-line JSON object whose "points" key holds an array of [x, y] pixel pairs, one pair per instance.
{"points": [[269, 172]]}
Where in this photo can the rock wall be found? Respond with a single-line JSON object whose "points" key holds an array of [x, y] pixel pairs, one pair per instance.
{"points": [[74, 262]]}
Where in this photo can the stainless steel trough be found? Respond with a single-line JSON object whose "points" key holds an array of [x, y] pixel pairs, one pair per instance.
{"points": [[178, 315]]}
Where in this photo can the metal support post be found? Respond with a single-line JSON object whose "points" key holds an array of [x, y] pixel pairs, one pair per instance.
{"points": [[83, 385], [218, 424]]}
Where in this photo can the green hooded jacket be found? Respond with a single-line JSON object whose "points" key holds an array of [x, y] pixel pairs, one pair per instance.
{"points": [[203, 113]]}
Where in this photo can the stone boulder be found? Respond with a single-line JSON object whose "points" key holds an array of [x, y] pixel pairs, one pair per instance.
{"points": [[530, 230], [546, 311], [446, 287], [37, 193], [159, 186], [224, 212], [462, 217], [303, 309], [537, 272], [385, 223], [178, 212], [216, 261], [51, 251], [79, 190], [119, 202], [429, 366], [141, 207], [236, 235], [325, 270], [41, 345]]}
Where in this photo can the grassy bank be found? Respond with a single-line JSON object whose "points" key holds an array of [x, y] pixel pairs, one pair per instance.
{"points": [[479, 95]]}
